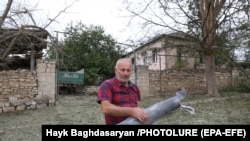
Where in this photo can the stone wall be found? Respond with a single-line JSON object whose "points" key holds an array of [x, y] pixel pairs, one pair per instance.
{"points": [[90, 89], [46, 79], [143, 77], [24, 89], [153, 83], [167, 82]]}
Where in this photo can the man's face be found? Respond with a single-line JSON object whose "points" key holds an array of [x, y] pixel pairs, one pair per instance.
{"points": [[123, 71]]}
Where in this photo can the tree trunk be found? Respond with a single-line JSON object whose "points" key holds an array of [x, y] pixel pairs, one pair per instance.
{"points": [[211, 84], [5, 13], [209, 11]]}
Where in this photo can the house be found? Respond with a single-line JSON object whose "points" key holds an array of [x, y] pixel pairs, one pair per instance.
{"points": [[167, 51], [171, 61]]}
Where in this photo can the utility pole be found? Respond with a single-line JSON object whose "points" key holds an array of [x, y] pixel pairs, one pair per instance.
{"points": [[57, 63]]}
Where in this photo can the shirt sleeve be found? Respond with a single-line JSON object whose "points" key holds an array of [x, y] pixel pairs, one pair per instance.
{"points": [[138, 94], [104, 92]]}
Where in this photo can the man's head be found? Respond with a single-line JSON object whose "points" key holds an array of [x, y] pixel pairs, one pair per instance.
{"points": [[123, 70]]}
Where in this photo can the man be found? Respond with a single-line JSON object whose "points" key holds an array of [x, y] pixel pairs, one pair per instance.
{"points": [[119, 97]]}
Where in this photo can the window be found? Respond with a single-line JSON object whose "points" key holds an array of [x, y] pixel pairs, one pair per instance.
{"points": [[144, 57], [181, 57], [145, 61], [133, 61], [154, 56]]}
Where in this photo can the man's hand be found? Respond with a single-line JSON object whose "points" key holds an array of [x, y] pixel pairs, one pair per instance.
{"points": [[140, 114]]}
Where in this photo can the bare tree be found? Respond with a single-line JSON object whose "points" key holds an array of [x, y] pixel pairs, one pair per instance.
{"points": [[209, 10], [209, 22], [5, 13], [20, 33]]}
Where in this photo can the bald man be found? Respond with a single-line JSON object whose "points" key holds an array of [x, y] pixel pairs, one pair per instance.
{"points": [[119, 97]]}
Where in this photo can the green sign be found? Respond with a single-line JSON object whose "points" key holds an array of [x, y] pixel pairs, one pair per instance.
{"points": [[70, 77]]}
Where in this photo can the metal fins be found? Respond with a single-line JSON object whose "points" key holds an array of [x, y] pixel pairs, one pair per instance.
{"points": [[188, 108], [182, 93]]}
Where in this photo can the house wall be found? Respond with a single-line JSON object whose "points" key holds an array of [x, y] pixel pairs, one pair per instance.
{"points": [[166, 55], [25, 89]]}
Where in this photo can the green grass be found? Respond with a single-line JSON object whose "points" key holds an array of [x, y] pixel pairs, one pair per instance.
{"points": [[229, 108]]}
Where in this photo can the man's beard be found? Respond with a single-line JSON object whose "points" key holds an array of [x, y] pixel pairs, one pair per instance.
{"points": [[123, 80]]}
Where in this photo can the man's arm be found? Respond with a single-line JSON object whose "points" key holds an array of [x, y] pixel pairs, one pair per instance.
{"points": [[111, 109]]}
